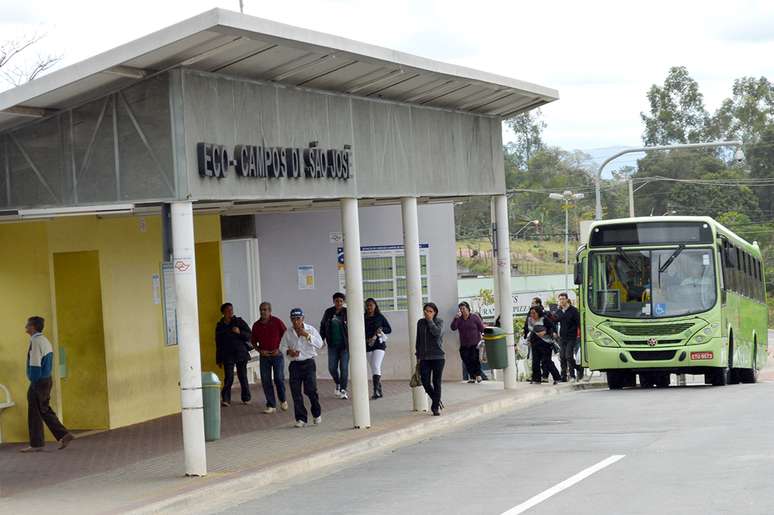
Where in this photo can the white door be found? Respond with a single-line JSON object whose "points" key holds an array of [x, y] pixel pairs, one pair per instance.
{"points": [[241, 277]]}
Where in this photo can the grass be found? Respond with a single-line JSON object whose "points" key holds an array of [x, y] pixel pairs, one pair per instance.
{"points": [[532, 257]]}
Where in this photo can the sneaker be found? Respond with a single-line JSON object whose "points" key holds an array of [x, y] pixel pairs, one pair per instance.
{"points": [[471, 381], [318, 420], [343, 394], [478, 379], [65, 441], [269, 410], [337, 393], [225, 404], [300, 423], [284, 405]]}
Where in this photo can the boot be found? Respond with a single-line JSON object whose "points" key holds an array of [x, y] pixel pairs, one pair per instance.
{"points": [[375, 379], [379, 386]]}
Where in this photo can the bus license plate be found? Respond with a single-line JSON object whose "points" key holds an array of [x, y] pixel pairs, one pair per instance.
{"points": [[701, 355]]}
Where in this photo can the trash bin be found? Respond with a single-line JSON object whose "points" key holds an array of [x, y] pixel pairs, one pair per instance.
{"points": [[211, 400], [496, 349]]}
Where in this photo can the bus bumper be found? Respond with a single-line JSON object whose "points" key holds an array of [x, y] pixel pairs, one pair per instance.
{"points": [[710, 354]]}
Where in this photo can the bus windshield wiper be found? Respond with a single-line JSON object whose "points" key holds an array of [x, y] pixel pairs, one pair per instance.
{"points": [[626, 258], [669, 261]]}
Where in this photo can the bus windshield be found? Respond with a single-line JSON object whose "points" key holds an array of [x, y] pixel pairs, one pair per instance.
{"points": [[651, 283]]}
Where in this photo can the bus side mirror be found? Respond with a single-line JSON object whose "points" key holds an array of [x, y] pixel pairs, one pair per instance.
{"points": [[578, 273]]}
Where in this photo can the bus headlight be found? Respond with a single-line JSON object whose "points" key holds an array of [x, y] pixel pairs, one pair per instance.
{"points": [[708, 330], [699, 338], [606, 341]]}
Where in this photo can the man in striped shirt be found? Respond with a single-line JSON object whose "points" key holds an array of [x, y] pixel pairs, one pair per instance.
{"points": [[40, 363]]}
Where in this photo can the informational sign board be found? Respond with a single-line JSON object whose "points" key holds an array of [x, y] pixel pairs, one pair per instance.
{"points": [[306, 280]]}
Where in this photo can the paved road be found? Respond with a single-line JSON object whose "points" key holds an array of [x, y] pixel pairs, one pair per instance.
{"points": [[687, 450]]}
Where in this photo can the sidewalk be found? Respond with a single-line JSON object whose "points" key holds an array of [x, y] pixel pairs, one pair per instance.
{"points": [[141, 466]]}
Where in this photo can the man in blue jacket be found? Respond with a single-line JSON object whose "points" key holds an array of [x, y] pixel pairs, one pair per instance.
{"points": [[40, 363]]}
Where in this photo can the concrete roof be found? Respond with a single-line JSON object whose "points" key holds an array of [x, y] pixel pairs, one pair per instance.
{"points": [[237, 44]]}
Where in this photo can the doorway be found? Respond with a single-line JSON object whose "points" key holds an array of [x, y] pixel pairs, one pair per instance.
{"points": [[81, 340]]}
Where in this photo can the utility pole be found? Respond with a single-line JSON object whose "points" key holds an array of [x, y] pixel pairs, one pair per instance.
{"points": [[566, 197]]}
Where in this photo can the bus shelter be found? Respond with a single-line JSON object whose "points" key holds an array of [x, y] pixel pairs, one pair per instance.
{"points": [[116, 175]]}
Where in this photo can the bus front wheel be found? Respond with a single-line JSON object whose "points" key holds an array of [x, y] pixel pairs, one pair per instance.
{"points": [[718, 377], [616, 380]]}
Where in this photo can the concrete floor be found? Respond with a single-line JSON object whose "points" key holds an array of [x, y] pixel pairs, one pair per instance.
{"points": [[688, 450]]}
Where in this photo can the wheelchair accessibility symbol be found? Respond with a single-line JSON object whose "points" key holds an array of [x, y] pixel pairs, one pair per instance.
{"points": [[660, 309]]}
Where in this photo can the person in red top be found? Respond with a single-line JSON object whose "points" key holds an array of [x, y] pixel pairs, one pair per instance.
{"points": [[267, 334]]}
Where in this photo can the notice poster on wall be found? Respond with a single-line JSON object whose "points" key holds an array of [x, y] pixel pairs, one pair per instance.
{"points": [[169, 303], [306, 277]]}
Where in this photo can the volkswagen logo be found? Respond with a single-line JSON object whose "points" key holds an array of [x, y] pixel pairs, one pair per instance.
{"points": [[652, 342]]}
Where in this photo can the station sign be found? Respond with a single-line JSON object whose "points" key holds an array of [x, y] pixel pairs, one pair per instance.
{"points": [[257, 161]]}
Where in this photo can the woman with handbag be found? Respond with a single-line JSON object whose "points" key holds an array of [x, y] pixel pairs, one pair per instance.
{"points": [[376, 330], [429, 352], [537, 331]]}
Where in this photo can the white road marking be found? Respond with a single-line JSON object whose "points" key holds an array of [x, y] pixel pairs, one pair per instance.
{"points": [[564, 485]]}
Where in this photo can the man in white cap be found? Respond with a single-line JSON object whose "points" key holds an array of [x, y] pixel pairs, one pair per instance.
{"points": [[301, 344]]}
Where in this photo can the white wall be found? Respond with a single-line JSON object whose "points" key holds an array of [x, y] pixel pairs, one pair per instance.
{"points": [[288, 240]]}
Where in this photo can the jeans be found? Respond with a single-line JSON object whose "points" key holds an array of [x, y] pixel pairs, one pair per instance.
{"points": [[431, 372], [541, 356], [375, 358], [471, 360], [39, 411], [275, 365], [567, 357], [228, 382], [338, 365], [303, 374]]}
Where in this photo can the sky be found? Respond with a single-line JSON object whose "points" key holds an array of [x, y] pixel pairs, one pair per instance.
{"points": [[601, 56]]}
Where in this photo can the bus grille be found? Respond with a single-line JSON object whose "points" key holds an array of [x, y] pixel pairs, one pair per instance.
{"points": [[651, 329], [644, 343], [654, 355]]}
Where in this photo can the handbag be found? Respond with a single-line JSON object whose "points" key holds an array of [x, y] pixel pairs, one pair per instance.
{"points": [[416, 380]]}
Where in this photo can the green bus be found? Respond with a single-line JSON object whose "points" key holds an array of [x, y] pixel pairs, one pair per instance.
{"points": [[671, 295]]}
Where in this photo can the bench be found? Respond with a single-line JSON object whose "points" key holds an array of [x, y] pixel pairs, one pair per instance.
{"points": [[5, 402]]}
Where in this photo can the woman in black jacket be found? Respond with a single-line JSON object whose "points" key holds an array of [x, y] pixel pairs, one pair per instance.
{"points": [[538, 330], [429, 351], [376, 327]]}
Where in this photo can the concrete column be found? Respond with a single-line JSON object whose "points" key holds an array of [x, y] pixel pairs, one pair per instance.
{"points": [[495, 278], [358, 367], [504, 299], [413, 286], [188, 338]]}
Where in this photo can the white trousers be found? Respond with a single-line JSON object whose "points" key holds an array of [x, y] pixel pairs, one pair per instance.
{"points": [[375, 358]]}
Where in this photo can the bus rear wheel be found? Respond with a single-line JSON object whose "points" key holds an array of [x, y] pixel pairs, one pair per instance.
{"points": [[750, 375]]}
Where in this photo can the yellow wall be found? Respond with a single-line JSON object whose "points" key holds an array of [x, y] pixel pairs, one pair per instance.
{"points": [[210, 293], [142, 373], [79, 333], [24, 291]]}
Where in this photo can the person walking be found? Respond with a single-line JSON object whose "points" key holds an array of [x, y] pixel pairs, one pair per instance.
{"points": [[430, 355], [333, 329], [376, 329], [569, 321], [538, 331], [471, 329], [232, 349], [40, 364], [301, 344], [267, 333]]}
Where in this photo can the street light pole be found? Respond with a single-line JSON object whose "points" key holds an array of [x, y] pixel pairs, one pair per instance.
{"points": [[598, 176], [566, 197]]}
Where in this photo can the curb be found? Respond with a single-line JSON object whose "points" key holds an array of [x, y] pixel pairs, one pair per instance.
{"points": [[248, 484]]}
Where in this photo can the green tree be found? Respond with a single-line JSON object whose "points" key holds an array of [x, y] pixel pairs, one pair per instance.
{"points": [[677, 113], [749, 111], [528, 130], [715, 199]]}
